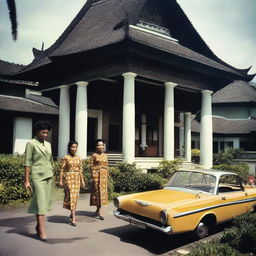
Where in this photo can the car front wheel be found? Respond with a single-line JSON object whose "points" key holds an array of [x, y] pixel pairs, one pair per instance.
{"points": [[202, 230]]}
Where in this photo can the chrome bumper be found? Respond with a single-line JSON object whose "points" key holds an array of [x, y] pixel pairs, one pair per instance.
{"points": [[125, 217]]}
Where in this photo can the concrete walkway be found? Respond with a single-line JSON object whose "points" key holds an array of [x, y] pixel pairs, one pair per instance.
{"points": [[90, 237]]}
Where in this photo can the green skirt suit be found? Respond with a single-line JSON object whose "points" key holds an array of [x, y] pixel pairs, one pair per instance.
{"points": [[38, 156]]}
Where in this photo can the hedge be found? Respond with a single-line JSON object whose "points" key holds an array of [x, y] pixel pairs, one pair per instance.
{"points": [[213, 248], [12, 179], [242, 236], [242, 169], [123, 178]]}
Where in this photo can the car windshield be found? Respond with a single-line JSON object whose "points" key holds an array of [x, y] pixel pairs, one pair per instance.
{"points": [[197, 181]]}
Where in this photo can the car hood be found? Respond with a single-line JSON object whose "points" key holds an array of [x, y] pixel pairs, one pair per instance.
{"points": [[150, 204]]}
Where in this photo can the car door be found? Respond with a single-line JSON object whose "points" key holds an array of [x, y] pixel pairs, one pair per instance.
{"points": [[232, 197]]}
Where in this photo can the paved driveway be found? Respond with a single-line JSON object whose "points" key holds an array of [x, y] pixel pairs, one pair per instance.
{"points": [[90, 237]]}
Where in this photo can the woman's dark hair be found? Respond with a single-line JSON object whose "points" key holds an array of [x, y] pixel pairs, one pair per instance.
{"points": [[72, 142], [99, 140], [42, 125]]}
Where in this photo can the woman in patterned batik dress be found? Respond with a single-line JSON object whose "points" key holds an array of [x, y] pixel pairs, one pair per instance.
{"points": [[99, 173], [71, 176]]}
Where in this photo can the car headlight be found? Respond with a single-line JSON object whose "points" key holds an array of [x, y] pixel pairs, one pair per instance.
{"points": [[163, 217], [116, 202]]}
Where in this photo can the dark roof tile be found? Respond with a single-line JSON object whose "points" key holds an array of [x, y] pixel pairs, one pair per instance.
{"points": [[228, 126], [18, 104], [7, 68], [236, 92]]}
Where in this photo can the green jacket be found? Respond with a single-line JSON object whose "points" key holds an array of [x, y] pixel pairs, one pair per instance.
{"points": [[38, 156]]}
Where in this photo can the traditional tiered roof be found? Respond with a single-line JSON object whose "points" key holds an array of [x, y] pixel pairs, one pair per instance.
{"points": [[225, 126], [21, 104], [159, 24], [8, 68], [236, 92]]}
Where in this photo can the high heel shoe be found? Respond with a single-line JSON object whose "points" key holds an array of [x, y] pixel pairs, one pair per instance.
{"points": [[42, 239], [38, 235], [71, 222]]}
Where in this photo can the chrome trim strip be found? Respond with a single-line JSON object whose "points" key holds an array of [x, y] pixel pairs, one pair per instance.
{"points": [[119, 215], [215, 206]]}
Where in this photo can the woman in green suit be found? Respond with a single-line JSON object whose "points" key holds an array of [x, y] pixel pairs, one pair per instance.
{"points": [[39, 169]]}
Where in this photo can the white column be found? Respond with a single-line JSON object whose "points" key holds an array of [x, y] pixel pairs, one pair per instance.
{"points": [[143, 144], [22, 132], [160, 143], [236, 143], [169, 121], [187, 125], [129, 117], [64, 121], [206, 136], [181, 136], [81, 119]]}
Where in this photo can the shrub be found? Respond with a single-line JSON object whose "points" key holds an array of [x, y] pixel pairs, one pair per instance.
{"points": [[242, 169], [242, 236], [167, 168], [195, 155], [227, 156], [137, 182], [128, 178], [213, 248], [12, 179]]}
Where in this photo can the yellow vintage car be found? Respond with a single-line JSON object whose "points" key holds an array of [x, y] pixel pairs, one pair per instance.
{"points": [[193, 200]]}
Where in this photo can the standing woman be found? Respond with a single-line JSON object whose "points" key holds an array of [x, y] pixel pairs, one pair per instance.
{"points": [[71, 176], [39, 167], [99, 173]]}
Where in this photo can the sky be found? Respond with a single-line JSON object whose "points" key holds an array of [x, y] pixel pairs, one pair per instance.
{"points": [[227, 26]]}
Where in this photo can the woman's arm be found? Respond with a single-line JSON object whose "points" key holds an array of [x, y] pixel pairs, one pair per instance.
{"points": [[27, 184], [62, 169], [27, 166], [81, 173]]}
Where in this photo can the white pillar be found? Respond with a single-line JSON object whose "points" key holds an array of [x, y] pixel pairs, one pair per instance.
{"points": [[236, 143], [160, 143], [181, 136], [64, 121], [22, 132], [169, 121], [129, 117], [188, 136], [206, 136], [143, 144], [81, 119]]}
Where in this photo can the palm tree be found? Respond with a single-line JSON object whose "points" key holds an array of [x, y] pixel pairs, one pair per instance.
{"points": [[13, 17]]}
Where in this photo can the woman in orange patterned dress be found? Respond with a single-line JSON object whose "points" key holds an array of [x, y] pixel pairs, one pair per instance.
{"points": [[71, 176], [99, 173]]}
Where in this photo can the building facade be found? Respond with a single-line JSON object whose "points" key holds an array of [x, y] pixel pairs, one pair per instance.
{"points": [[125, 71]]}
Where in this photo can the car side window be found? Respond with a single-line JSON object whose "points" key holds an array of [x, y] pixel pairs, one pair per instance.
{"points": [[229, 183]]}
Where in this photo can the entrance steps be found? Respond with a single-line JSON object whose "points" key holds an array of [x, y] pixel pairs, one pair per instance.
{"points": [[190, 166], [146, 163], [114, 158]]}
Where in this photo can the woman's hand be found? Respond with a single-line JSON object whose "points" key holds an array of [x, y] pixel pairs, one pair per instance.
{"points": [[27, 186], [83, 184], [61, 183]]}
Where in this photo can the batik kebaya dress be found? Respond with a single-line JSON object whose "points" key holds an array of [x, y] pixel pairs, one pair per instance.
{"points": [[72, 169], [99, 173]]}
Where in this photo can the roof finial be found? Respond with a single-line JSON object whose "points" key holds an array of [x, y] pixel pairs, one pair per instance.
{"points": [[42, 48]]}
